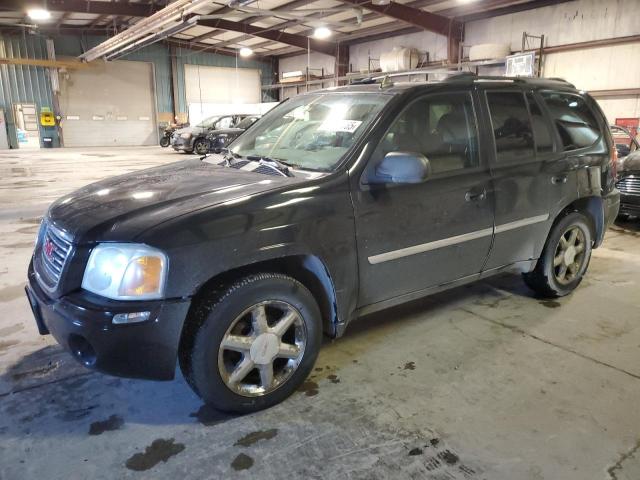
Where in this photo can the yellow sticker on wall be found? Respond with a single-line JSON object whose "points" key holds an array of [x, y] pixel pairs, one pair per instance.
{"points": [[47, 119]]}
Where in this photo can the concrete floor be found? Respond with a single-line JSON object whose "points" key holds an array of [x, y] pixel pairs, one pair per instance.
{"points": [[482, 382]]}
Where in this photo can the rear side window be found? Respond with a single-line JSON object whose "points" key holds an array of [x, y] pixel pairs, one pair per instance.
{"points": [[511, 126], [540, 126], [574, 120]]}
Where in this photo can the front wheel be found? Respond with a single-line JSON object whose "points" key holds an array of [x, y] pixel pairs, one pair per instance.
{"points": [[201, 146], [253, 345], [164, 142], [564, 259]]}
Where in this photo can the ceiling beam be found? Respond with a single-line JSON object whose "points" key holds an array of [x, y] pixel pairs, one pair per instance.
{"points": [[84, 6], [286, 6], [299, 41], [343, 37], [43, 63], [432, 22], [519, 7]]}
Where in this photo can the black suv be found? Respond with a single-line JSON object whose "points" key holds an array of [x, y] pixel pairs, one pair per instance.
{"points": [[335, 204]]}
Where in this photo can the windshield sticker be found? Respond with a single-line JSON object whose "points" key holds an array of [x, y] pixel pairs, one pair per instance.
{"points": [[348, 126]]}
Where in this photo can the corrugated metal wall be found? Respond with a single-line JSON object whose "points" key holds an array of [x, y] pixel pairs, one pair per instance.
{"points": [[24, 84], [28, 84]]}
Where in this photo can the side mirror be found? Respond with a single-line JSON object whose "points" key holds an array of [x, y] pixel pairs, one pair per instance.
{"points": [[402, 167]]}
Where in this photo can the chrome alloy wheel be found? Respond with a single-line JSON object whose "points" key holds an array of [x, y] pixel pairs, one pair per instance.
{"points": [[569, 256], [262, 348]]}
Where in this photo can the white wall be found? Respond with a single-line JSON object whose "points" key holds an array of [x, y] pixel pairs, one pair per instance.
{"points": [[317, 61], [570, 22], [604, 68]]}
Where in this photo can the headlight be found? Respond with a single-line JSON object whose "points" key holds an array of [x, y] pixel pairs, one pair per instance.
{"points": [[185, 135], [126, 271]]}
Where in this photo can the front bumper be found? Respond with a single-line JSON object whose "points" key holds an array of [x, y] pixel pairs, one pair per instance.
{"points": [[82, 323], [630, 204], [182, 144]]}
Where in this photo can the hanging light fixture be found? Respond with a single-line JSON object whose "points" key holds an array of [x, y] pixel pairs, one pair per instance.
{"points": [[321, 33], [246, 52], [38, 14]]}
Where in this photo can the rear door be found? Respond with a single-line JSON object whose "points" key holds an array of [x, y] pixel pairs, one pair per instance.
{"points": [[412, 237], [521, 179]]}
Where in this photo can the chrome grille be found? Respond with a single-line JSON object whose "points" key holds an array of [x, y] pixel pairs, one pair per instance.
{"points": [[54, 251], [629, 184]]}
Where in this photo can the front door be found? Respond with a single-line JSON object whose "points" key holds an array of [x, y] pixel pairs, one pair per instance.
{"points": [[412, 237]]}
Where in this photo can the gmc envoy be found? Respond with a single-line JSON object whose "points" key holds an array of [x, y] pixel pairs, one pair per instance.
{"points": [[335, 204]]}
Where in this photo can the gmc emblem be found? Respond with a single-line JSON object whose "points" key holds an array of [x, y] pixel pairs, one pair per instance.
{"points": [[49, 248]]}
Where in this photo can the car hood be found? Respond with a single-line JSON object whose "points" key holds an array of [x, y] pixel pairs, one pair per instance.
{"points": [[191, 130], [120, 208]]}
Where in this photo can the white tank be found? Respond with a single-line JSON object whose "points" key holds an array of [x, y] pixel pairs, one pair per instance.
{"points": [[398, 59], [489, 51]]}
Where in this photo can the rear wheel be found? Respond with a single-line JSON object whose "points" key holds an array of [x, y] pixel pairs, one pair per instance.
{"points": [[565, 258], [201, 146], [252, 345]]}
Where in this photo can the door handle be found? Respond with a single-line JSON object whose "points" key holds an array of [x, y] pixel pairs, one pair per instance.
{"points": [[472, 196], [559, 179]]}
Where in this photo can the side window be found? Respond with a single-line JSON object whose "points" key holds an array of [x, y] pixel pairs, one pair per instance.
{"points": [[511, 126], [540, 126], [574, 120], [442, 128], [224, 122]]}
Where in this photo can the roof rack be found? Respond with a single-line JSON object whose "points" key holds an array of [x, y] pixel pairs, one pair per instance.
{"points": [[363, 81], [558, 79]]}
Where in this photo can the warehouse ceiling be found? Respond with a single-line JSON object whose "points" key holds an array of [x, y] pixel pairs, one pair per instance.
{"points": [[268, 27]]}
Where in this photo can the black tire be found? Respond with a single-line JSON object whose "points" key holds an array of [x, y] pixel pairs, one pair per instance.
{"points": [[165, 142], [211, 320], [201, 146], [544, 278]]}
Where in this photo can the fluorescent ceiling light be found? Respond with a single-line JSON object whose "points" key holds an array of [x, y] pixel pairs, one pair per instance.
{"points": [[246, 52], [321, 33], [39, 14]]}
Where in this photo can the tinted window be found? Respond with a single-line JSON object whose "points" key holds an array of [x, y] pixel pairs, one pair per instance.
{"points": [[574, 120], [511, 126], [541, 128], [442, 128]]}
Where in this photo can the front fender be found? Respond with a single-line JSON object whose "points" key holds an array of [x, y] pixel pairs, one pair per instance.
{"points": [[312, 221]]}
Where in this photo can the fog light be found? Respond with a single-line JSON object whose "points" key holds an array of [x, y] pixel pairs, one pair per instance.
{"points": [[134, 317]]}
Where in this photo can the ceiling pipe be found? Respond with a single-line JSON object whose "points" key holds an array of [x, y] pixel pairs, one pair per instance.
{"points": [[155, 24]]}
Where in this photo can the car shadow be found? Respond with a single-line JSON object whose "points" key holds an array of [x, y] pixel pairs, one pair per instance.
{"points": [[482, 291], [51, 394]]}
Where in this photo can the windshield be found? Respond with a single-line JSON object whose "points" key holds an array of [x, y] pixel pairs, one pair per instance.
{"points": [[311, 131], [207, 122]]}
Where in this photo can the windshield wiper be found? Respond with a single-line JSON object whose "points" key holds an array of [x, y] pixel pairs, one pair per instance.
{"points": [[278, 165]]}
